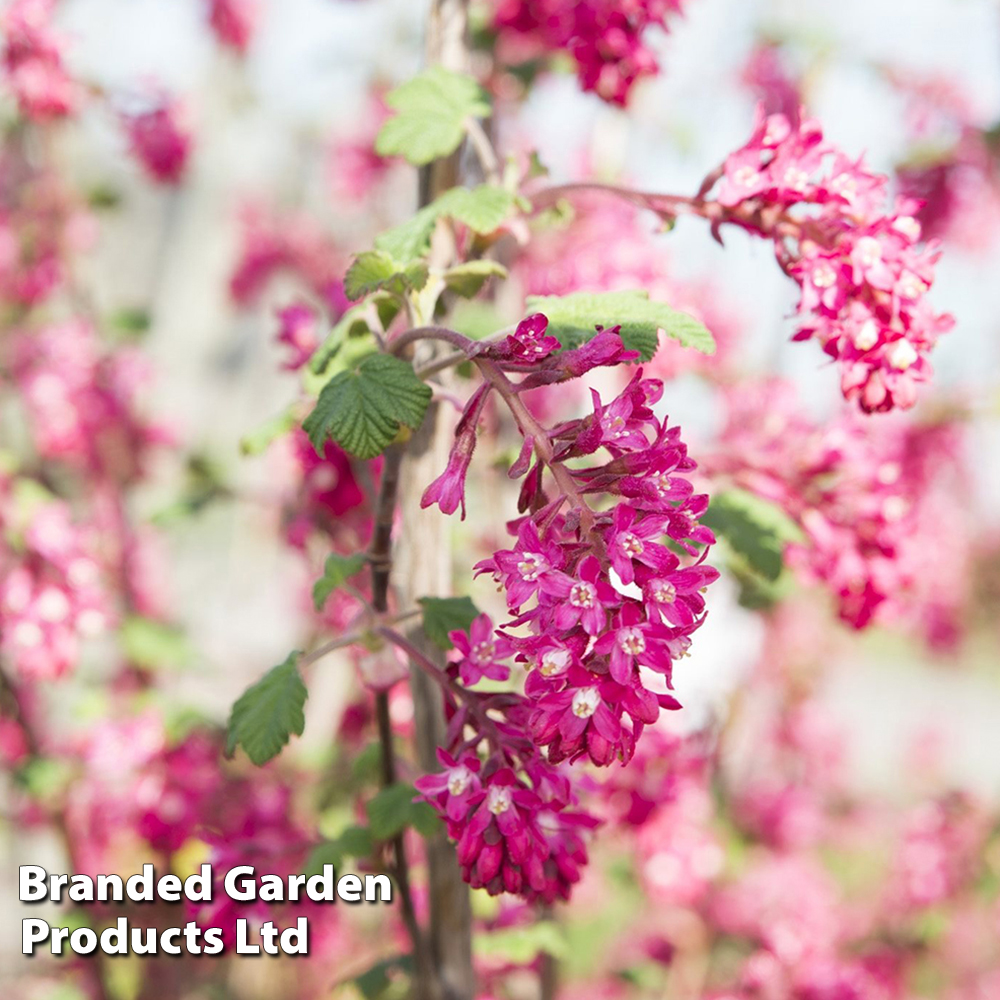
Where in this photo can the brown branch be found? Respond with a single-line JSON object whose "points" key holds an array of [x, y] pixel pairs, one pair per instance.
{"points": [[380, 558]]}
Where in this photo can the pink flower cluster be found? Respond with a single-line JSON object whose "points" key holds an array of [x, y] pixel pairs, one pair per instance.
{"points": [[159, 141], [870, 506], [233, 22], [142, 791], [515, 832], [611, 606], [601, 607], [864, 279], [274, 244], [51, 588], [83, 403], [604, 38], [41, 224], [952, 169], [32, 61]]}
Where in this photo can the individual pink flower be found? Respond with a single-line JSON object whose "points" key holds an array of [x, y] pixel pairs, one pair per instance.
{"points": [[483, 652], [454, 788]]}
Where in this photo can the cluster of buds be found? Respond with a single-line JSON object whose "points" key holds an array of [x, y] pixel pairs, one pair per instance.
{"points": [[603, 599], [605, 39], [515, 819], [864, 278]]}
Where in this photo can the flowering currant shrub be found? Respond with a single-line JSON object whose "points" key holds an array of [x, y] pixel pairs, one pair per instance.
{"points": [[563, 576]]}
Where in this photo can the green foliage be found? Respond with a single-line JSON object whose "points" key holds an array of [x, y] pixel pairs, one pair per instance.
{"points": [[468, 279], [521, 945], [393, 810], [336, 570], [383, 982], [355, 325], [268, 713], [573, 317], [755, 529], [375, 269], [445, 614], [151, 644], [362, 409], [431, 111], [483, 209], [354, 842], [258, 440]]}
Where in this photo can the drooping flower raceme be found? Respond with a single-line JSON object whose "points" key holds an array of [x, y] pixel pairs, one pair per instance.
{"points": [[603, 600], [863, 276]]}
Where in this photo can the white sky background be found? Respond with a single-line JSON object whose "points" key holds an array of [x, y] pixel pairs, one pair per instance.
{"points": [[306, 75]]}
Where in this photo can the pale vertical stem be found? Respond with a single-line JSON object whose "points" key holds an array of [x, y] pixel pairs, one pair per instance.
{"points": [[422, 567]]}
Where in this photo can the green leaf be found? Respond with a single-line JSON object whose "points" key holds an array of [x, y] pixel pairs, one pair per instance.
{"points": [[337, 569], [375, 269], [353, 324], [446, 614], [150, 644], [354, 842], [411, 239], [573, 317], [431, 110], [755, 528], [362, 409], [520, 945], [261, 438], [268, 713], [483, 209], [393, 810], [467, 279], [375, 983]]}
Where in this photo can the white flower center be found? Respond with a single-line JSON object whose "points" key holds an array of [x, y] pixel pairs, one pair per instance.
{"points": [[583, 595], [631, 641], [869, 251], [908, 226], [661, 483], [498, 799], [553, 661], [911, 287], [586, 702], [823, 276], [901, 355], [483, 652], [746, 176], [867, 336], [796, 177], [532, 565], [664, 592], [631, 544], [617, 426], [459, 779]]}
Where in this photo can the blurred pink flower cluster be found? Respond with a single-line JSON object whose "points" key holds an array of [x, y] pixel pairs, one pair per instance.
{"points": [[605, 39], [869, 505]]}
